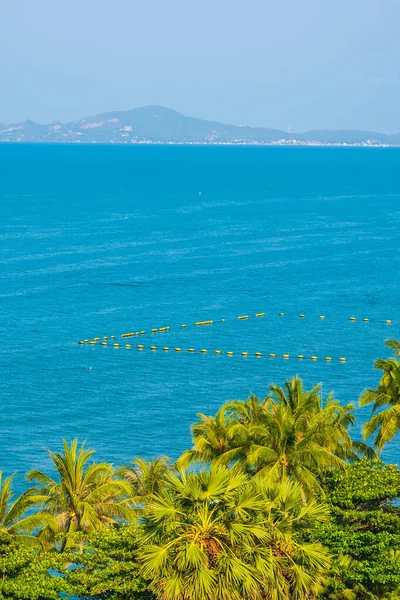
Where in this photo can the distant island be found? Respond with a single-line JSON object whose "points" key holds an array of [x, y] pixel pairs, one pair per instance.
{"points": [[160, 125]]}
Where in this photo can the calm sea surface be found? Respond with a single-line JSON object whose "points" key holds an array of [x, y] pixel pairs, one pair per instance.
{"points": [[101, 240]]}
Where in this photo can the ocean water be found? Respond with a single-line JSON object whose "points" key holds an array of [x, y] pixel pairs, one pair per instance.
{"points": [[101, 240]]}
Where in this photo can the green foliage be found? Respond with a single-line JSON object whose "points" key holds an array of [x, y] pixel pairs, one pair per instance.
{"points": [[282, 509], [26, 573], [221, 535], [13, 517], [292, 432], [107, 567], [386, 423], [364, 533], [145, 476], [86, 496]]}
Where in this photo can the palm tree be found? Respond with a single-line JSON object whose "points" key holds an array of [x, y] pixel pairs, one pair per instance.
{"points": [[386, 423], [220, 535], [145, 476], [83, 497], [13, 518], [212, 440], [291, 433], [395, 345]]}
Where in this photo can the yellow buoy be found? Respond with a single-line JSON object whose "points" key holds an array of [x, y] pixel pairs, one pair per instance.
{"points": [[258, 354], [217, 351], [153, 347], [166, 348], [104, 344], [322, 316], [177, 349], [286, 356], [204, 351], [365, 320], [142, 332], [128, 346], [260, 314], [112, 337], [183, 325], [352, 318], [245, 353], [314, 358], [243, 317], [302, 316], [388, 321], [154, 330], [105, 337], [342, 359], [140, 347], [328, 358], [230, 353], [86, 341], [272, 355], [300, 356], [81, 342], [92, 343], [191, 350], [96, 339], [115, 345], [223, 320], [281, 314]]}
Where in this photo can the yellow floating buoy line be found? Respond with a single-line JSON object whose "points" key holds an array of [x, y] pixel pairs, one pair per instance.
{"points": [[154, 330], [227, 353]]}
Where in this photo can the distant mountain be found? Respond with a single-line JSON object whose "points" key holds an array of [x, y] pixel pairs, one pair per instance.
{"points": [[157, 124]]}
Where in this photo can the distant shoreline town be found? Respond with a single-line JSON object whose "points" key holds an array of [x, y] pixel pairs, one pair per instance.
{"points": [[159, 125], [283, 143]]}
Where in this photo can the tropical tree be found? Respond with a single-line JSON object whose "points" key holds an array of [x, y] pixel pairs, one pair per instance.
{"points": [[83, 497], [386, 423], [221, 535], [291, 433], [395, 345], [13, 518], [212, 440], [363, 533], [145, 476], [107, 568], [29, 573]]}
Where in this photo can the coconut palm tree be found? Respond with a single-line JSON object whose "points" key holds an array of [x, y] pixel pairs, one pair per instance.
{"points": [[83, 497], [145, 476], [291, 433], [386, 423], [212, 440], [13, 518], [395, 345], [219, 535]]}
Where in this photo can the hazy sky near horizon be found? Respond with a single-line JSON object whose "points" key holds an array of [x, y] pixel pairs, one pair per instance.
{"points": [[313, 64]]}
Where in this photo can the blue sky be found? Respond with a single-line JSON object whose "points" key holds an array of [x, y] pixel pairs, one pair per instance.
{"points": [[313, 64]]}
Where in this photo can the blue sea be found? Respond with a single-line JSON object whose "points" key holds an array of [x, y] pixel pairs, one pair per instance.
{"points": [[100, 240]]}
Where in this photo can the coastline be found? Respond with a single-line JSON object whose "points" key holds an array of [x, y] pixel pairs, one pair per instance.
{"points": [[275, 144]]}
